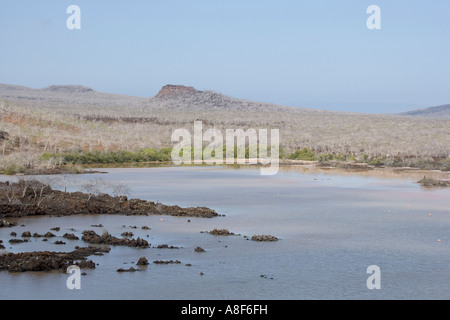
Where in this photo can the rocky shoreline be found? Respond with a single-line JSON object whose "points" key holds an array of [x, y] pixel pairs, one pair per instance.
{"points": [[98, 245], [434, 183], [106, 238], [49, 261], [46, 261], [33, 198]]}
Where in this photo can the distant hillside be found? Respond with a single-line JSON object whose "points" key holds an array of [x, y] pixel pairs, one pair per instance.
{"points": [[186, 98], [67, 95], [439, 112], [72, 118], [170, 97], [69, 89]]}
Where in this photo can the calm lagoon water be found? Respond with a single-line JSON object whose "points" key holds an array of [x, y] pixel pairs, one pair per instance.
{"points": [[331, 227]]}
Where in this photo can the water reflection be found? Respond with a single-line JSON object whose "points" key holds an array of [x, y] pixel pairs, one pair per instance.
{"points": [[332, 225]]}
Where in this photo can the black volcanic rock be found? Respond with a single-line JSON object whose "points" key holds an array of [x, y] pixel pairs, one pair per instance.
{"points": [[60, 203], [106, 238], [264, 237], [47, 261]]}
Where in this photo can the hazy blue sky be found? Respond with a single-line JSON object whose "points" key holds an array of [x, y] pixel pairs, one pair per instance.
{"points": [[317, 54]]}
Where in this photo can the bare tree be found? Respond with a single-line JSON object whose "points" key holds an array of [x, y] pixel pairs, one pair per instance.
{"points": [[94, 187], [10, 190], [4, 146], [39, 188], [63, 181], [119, 190], [24, 185], [67, 180]]}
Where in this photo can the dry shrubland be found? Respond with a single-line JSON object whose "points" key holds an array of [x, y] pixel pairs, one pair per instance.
{"points": [[77, 119]]}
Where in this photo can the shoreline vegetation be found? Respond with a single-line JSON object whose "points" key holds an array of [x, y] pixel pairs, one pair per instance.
{"points": [[85, 162], [77, 162]]}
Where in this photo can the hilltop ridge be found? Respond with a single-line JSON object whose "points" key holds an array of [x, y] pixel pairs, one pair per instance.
{"points": [[438, 112], [171, 91], [187, 98], [173, 97], [68, 88], [169, 97]]}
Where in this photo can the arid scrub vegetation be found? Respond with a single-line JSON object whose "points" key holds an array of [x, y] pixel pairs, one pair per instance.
{"points": [[45, 128], [98, 157]]}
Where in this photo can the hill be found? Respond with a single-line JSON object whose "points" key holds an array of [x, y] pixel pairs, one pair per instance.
{"points": [[74, 118], [439, 112], [174, 97], [185, 98]]}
